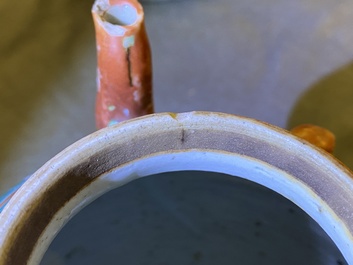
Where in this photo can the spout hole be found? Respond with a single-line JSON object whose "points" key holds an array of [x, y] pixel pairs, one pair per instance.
{"points": [[122, 15]]}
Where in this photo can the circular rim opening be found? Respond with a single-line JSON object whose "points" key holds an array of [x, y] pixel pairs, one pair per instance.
{"points": [[64, 180]]}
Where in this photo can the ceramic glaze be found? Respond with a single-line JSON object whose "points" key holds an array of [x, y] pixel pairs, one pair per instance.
{"points": [[202, 141], [124, 70], [192, 217], [205, 145]]}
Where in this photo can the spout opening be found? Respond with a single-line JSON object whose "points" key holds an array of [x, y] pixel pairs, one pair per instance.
{"points": [[121, 15]]}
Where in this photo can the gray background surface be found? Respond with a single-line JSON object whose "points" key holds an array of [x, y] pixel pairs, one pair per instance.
{"points": [[280, 61]]}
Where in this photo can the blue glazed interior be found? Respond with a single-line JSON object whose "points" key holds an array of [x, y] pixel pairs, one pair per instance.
{"points": [[192, 217]]}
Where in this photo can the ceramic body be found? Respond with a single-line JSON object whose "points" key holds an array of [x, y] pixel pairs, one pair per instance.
{"points": [[122, 43], [201, 141]]}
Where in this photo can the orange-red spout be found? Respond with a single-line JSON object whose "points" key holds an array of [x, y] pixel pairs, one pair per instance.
{"points": [[124, 66]]}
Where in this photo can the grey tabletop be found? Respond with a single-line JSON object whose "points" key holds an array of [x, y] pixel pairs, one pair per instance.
{"points": [[280, 61]]}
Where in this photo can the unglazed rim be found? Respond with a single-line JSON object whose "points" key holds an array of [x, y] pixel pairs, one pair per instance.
{"points": [[164, 142]]}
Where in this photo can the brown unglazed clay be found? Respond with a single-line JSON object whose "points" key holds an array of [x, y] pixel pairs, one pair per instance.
{"points": [[124, 72]]}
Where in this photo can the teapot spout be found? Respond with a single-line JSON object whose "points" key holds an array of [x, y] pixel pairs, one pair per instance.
{"points": [[124, 64]]}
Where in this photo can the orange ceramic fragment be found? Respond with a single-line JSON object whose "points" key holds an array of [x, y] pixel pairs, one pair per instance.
{"points": [[124, 71], [316, 135]]}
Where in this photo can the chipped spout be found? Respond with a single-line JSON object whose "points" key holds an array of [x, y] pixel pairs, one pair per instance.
{"points": [[123, 61]]}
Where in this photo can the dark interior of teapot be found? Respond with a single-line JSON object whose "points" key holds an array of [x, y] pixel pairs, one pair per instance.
{"points": [[192, 217]]}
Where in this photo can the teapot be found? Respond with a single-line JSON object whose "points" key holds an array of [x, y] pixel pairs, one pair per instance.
{"points": [[134, 143]]}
